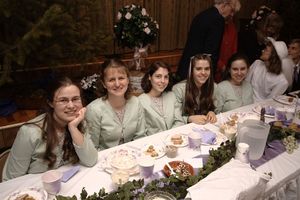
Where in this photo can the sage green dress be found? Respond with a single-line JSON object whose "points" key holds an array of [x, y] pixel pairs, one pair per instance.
{"points": [[27, 152], [160, 120], [107, 130]]}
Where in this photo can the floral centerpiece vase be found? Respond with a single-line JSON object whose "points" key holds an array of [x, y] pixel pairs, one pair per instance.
{"points": [[136, 30]]}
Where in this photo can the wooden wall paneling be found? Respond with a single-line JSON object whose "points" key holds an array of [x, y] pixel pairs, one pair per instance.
{"points": [[105, 20], [167, 20], [182, 23], [152, 7]]}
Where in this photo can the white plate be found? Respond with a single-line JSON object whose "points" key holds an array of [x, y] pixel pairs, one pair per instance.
{"points": [[242, 116], [284, 99], [258, 108], [295, 93], [105, 162], [36, 193], [183, 144], [158, 149]]}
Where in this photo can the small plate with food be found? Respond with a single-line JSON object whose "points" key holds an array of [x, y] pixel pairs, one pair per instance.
{"points": [[287, 100], [270, 110], [28, 194], [181, 168], [177, 139], [154, 151]]}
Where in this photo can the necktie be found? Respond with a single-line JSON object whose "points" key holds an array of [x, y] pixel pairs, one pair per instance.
{"points": [[296, 74]]}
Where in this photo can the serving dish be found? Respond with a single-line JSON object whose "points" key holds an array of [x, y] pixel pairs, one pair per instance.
{"points": [[121, 159], [29, 194], [159, 195], [181, 168]]}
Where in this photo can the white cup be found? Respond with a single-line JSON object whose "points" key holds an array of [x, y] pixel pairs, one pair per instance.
{"points": [[52, 181], [242, 152], [195, 140], [146, 165]]}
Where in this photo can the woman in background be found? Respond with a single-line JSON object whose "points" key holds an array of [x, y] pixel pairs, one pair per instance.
{"points": [[195, 95], [54, 138], [234, 91], [162, 112], [265, 75], [116, 117]]}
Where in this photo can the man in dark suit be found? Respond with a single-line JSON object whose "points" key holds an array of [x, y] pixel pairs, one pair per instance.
{"points": [[294, 53], [206, 33]]}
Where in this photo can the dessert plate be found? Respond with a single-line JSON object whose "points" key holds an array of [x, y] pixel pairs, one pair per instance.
{"points": [[181, 140], [153, 150], [287, 100], [270, 111]]}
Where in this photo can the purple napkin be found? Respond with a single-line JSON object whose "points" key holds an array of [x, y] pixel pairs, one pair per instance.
{"points": [[69, 173], [208, 137], [270, 110]]}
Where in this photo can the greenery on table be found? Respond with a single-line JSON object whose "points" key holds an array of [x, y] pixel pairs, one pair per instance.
{"points": [[288, 133], [175, 185]]}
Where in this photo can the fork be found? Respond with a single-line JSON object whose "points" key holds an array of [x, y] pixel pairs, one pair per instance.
{"points": [[171, 169]]}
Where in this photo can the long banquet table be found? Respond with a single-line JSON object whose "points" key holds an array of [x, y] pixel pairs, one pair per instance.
{"points": [[285, 168]]}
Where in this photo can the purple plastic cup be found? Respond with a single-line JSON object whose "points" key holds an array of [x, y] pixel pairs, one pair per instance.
{"points": [[195, 140], [52, 181], [146, 165]]}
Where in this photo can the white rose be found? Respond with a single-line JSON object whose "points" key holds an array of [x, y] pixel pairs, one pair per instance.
{"points": [[145, 24], [147, 30], [119, 16], [157, 26], [144, 12], [133, 6], [128, 16]]}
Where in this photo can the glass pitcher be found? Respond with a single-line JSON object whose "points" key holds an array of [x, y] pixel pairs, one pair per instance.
{"points": [[255, 134]]}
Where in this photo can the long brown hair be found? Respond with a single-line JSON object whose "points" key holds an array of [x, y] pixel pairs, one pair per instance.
{"points": [[274, 63], [114, 63], [199, 101], [49, 124]]}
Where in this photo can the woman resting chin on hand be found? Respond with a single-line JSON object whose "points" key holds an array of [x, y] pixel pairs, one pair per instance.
{"points": [[196, 93]]}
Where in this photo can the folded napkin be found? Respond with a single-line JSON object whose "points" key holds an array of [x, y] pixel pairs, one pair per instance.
{"points": [[234, 180], [208, 137]]}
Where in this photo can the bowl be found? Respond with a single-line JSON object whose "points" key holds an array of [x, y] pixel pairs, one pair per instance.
{"points": [[123, 160], [182, 168], [159, 195]]}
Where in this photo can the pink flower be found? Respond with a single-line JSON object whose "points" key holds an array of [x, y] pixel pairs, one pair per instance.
{"points": [[147, 30]]}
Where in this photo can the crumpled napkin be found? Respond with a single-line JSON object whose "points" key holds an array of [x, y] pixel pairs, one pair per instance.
{"points": [[208, 137], [234, 180]]}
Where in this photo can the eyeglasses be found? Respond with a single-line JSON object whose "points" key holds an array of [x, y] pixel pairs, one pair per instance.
{"points": [[65, 101]]}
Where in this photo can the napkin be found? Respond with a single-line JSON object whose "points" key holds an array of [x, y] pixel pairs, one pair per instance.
{"points": [[234, 180], [70, 173], [208, 137]]}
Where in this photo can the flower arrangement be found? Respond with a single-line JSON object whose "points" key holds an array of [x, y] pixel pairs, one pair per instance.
{"points": [[134, 27], [89, 86]]}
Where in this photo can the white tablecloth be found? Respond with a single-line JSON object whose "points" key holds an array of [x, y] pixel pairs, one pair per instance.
{"points": [[285, 168]]}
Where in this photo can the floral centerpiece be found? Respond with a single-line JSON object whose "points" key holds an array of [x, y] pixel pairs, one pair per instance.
{"points": [[89, 87], [134, 27]]}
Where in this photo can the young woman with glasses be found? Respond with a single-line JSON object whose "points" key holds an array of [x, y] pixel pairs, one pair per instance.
{"points": [[54, 138]]}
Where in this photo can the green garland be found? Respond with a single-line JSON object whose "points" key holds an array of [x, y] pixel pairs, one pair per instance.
{"points": [[178, 186], [175, 186]]}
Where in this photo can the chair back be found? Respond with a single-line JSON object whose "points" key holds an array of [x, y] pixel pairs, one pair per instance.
{"points": [[3, 158]]}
